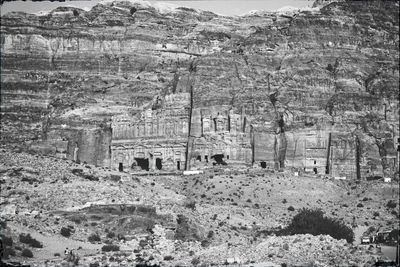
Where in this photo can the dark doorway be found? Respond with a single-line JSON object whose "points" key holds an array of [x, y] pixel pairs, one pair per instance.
{"points": [[315, 170], [120, 167], [315, 162], [178, 165], [206, 158], [263, 164], [198, 158], [282, 164], [227, 156], [143, 163], [219, 159], [159, 163]]}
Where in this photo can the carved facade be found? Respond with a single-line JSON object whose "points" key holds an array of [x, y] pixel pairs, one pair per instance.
{"points": [[155, 138], [219, 135]]}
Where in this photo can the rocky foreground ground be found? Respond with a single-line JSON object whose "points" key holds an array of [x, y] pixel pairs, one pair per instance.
{"points": [[221, 216]]}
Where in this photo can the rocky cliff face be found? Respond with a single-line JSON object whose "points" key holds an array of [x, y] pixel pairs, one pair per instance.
{"points": [[300, 76]]}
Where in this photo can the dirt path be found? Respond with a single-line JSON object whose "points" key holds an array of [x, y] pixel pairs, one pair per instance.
{"points": [[55, 244]]}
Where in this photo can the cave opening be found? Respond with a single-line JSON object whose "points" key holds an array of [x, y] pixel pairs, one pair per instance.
{"points": [[263, 164], [218, 159], [315, 171], [159, 163], [143, 163], [198, 158]]}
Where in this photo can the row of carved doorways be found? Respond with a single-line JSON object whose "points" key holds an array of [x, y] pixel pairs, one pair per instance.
{"points": [[143, 163]]}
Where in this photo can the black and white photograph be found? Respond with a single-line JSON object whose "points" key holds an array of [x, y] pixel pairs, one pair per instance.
{"points": [[199, 133]]}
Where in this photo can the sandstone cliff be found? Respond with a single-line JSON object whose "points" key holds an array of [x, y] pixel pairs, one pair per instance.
{"points": [[325, 78]]}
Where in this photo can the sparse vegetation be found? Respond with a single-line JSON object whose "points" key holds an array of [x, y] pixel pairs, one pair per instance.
{"points": [[190, 204], [7, 241], [65, 231], [195, 261], [7, 249], [27, 253], [77, 218], [391, 204], [94, 238], [110, 247], [110, 235], [27, 239]]}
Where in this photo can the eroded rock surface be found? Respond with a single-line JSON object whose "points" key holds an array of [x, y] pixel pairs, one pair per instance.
{"points": [[314, 90]]}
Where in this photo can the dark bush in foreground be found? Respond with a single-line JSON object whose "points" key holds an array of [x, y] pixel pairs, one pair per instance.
{"points": [[6, 249], [27, 253], [190, 204], [195, 261], [94, 238], [65, 232], [110, 235], [7, 241], [314, 222], [27, 239], [391, 204], [107, 248]]}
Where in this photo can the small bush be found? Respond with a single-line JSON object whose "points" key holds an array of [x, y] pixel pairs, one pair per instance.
{"points": [[27, 239], [205, 243], [314, 222], [168, 258], [291, 208], [195, 261], [190, 204], [94, 238], [376, 214], [65, 231], [284, 201], [391, 204], [359, 205], [27, 253], [57, 254], [78, 219], [210, 234], [110, 235], [111, 247], [7, 241], [7, 249]]}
